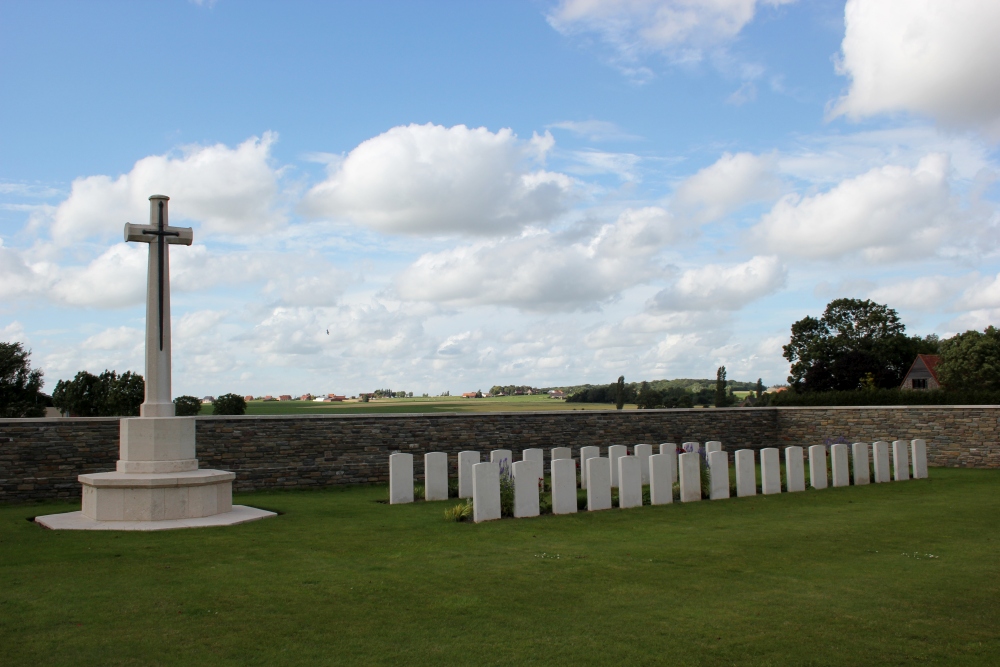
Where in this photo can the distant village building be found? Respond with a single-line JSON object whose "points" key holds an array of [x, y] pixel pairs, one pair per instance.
{"points": [[923, 373], [248, 398], [270, 398], [470, 394], [555, 393], [285, 397], [306, 397], [208, 399]]}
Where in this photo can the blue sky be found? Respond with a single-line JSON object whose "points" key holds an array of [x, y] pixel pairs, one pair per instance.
{"points": [[467, 194]]}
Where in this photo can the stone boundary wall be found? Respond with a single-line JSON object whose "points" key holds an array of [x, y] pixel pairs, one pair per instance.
{"points": [[41, 458]]}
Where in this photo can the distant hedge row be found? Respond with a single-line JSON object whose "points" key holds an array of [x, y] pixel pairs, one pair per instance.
{"points": [[884, 397]]}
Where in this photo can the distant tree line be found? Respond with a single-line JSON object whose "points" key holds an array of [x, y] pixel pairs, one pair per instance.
{"points": [[513, 390], [106, 395], [20, 386]]}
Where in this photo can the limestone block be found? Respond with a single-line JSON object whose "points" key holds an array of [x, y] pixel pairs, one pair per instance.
{"points": [[615, 452], [466, 460], [563, 486], [525, 489], [770, 471], [689, 473], [435, 476], [144, 497], [588, 452], [598, 484], [400, 478], [157, 439], [712, 446], [671, 449], [642, 453], [817, 467], [486, 491], [661, 488], [918, 454], [629, 482], [841, 469], [859, 453], [900, 460], [536, 456], [880, 461], [746, 473], [718, 470], [795, 476]]}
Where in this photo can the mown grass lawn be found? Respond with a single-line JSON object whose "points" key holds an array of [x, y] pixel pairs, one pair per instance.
{"points": [[901, 573]]}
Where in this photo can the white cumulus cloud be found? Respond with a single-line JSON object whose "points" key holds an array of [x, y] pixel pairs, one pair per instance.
{"points": [[886, 213], [924, 56], [682, 29], [227, 190], [722, 287], [726, 185], [543, 270], [429, 179]]}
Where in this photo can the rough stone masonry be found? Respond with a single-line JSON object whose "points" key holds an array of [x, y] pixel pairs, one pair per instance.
{"points": [[41, 458]]}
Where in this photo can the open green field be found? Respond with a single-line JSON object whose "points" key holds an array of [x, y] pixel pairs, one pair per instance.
{"points": [[434, 404], [901, 573]]}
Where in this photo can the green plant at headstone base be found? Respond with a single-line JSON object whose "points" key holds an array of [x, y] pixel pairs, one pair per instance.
{"points": [[229, 404], [459, 512], [186, 406], [418, 491], [452, 487], [506, 489]]}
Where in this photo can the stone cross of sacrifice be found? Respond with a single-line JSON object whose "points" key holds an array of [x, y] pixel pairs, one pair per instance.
{"points": [[158, 234]]}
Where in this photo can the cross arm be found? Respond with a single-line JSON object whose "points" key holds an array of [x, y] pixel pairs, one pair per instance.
{"points": [[148, 234]]}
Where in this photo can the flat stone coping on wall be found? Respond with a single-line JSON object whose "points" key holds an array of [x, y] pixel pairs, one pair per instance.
{"points": [[76, 521], [157, 480]]}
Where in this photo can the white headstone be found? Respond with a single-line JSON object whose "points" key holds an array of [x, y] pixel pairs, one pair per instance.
{"points": [[817, 467], [629, 482], [746, 473], [718, 471], [918, 452], [661, 489], [690, 476], [465, 462], [795, 477], [400, 478], [498, 455], [615, 452], [557, 453], [588, 452], [880, 461], [561, 453], [642, 453], [712, 446], [900, 460], [859, 455], [435, 476], [485, 492], [563, 486], [537, 457], [841, 469], [525, 489], [770, 471], [598, 484], [671, 449]]}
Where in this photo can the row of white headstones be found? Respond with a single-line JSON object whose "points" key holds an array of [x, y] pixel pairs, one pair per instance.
{"points": [[629, 473]]}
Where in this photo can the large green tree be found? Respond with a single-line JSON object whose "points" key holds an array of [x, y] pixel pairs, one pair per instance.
{"points": [[104, 395], [851, 339], [971, 361], [20, 387]]}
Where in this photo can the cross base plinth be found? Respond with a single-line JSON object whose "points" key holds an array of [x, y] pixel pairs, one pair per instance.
{"points": [[120, 496]]}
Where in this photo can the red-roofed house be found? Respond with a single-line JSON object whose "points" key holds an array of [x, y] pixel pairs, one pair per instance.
{"points": [[923, 373]]}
